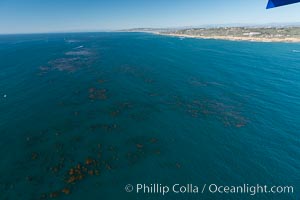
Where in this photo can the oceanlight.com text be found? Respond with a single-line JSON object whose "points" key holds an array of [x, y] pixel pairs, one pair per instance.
{"points": [[244, 189]]}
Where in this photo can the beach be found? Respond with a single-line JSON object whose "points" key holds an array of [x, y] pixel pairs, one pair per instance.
{"points": [[232, 38]]}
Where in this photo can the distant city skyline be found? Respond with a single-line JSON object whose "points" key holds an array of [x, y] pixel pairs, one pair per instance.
{"points": [[34, 16]]}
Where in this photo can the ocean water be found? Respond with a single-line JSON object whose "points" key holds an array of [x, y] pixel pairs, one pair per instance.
{"points": [[83, 115]]}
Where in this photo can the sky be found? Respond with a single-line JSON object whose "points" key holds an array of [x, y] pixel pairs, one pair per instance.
{"points": [[34, 16]]}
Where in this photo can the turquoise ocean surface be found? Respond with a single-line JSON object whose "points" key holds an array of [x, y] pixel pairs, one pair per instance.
{"points": [[84, 114]]}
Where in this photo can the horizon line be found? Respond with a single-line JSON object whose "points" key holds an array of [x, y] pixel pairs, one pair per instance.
{"points": [[228, 25]]}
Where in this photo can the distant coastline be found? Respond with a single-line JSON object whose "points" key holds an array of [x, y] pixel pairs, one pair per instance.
{"points": [[259, 34], [233, 38]]}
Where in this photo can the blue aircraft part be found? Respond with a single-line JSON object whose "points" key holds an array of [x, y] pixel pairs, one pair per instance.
{"points": [[276, 3]]}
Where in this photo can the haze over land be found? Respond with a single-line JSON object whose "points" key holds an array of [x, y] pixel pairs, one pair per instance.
{"points": [[250, 33]]}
